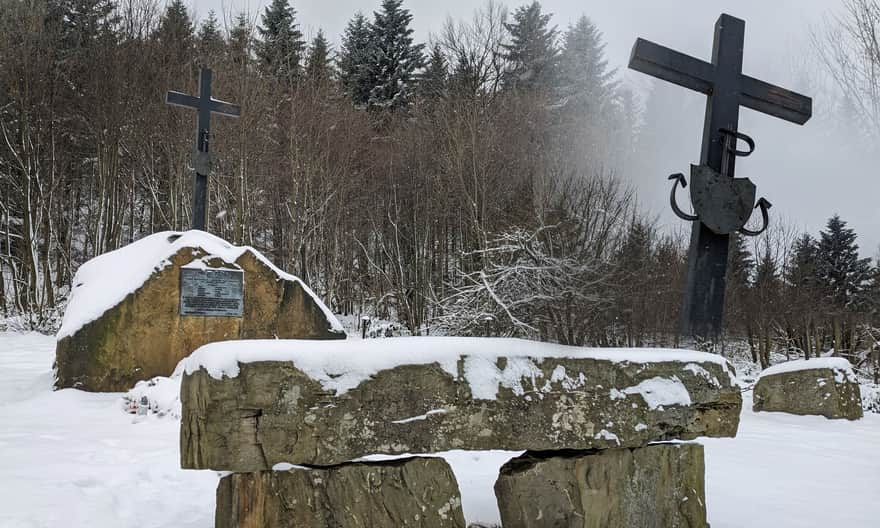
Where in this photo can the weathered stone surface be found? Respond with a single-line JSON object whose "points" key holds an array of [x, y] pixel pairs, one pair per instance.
{"points": [[144, 336], [832, 391], [412, 492], [658, 486], [273, 412]]}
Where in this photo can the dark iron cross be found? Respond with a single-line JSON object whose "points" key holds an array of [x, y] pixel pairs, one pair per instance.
{"points": [[205, 106], [727, 89]]}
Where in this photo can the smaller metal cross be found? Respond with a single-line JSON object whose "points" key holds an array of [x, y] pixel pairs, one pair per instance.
{"points": [[205, 106]]}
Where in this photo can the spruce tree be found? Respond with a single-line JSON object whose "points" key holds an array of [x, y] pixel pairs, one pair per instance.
{"points": [[175, 30], [584, 76], [395, 58], [740, 264], [842, 276], [740, 267], [81, 22], [281, 47], [801, 272], [532, 52], [464, 81], [434, 80], [766, 273], [210, 40], [318, 64], [354, 60], [240, 40]]}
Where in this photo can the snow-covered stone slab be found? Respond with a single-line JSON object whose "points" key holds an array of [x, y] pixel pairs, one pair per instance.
{"points": [[124, 321], [660, 485], [249, 405], [821, 386], [410, 492]]}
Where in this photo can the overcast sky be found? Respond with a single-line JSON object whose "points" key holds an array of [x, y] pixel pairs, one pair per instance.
{"points": [[808, 173]]}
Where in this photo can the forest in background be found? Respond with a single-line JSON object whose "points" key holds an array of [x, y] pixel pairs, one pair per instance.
{"points": [[471, 185]]}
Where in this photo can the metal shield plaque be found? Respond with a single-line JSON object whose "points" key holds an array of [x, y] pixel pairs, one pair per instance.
{"points": [[211, 292], [723, 204]]}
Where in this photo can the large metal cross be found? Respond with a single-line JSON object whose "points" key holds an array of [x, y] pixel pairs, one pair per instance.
{"points": [[202, 161], [727, 89]]}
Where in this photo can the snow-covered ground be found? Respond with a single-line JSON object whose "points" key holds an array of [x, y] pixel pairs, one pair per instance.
{"points": [[71, 458]]}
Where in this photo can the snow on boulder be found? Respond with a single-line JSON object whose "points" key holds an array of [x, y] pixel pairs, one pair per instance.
{"points": [[134, 313], [821, 386], [248, 405]]}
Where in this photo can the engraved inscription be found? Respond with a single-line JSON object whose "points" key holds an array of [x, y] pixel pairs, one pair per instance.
{"points": [[211, 292]]}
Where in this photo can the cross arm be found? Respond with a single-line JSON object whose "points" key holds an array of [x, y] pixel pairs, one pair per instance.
{"points": [[673, 66], [224, 108], [181, 99], [778, 102]]}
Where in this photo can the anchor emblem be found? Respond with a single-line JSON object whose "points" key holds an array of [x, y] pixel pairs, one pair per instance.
{"points": [[722, 203]]}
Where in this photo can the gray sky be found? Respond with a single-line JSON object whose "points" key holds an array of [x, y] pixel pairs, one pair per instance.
{"points": [[808, 173]]}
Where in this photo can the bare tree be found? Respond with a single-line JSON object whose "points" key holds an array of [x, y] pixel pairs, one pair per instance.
{"points": [[848, 45]]}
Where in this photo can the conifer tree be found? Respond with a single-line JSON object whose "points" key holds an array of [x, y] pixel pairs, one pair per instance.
{"points": [[240, 40], [463, 80], [842, 276], [210, 40], [740, 267], [354, 60], [318, 63], [395, 58], [433, 82], [584, 75], [532, 52], [801, 271], [175, 30], [281, 47]]}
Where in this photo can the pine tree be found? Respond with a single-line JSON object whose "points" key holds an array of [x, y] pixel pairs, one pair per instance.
{"points": [[318, 63], [584, 77], [282, 46], [395, 58], [532, 51], [842, 276], [210, 40], [354, 60], [434, 80]]}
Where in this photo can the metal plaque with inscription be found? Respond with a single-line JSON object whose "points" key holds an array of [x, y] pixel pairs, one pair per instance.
{"points": [[211, 292]]}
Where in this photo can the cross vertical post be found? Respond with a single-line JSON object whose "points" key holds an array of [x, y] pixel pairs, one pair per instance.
{"points": [[703, 306], [727, 89], [205, 105]]}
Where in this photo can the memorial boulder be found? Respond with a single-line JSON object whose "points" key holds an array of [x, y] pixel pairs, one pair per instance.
{"points": [[134, 313], [821, 386]]}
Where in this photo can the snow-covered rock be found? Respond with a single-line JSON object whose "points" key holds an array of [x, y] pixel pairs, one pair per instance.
{"points": [[123, 322], [415, 492], [248, 405], [823, 386], [69, 458]]}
